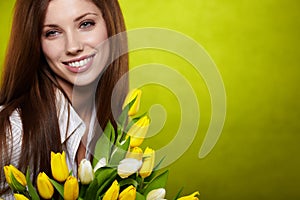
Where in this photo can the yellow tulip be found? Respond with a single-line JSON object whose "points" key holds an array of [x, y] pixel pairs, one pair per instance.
{"points": [[128, 194], [190, 197], [136, 153], [138, 131], [20, 197], [148, 163], [85, 172], [113, 192], [20, 183], [59, 166], [133, 94], [44, 186], [71, 188]]}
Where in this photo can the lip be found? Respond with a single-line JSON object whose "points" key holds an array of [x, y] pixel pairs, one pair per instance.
{"points": [[78, 69]]}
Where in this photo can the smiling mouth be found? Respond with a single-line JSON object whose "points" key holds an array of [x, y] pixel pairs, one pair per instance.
{"points": [[79, 63]]}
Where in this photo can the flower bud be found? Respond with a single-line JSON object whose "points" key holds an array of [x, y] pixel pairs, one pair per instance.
{"points": [[59, 166], [138, 131], [148, 163], [71, 188], [156, 194], [133, 94], [113, 192], [101, 163], [85, 172], [44, 186], [190, 197], [128, 194], [20, 197], [136, 153], [15, 178], [128, 166]]}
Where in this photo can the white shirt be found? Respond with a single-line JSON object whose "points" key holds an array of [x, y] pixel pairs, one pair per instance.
{"points": [[71, 132]]}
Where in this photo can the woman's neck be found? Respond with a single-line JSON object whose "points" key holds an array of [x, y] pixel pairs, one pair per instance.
{"points": [[82, 99]]}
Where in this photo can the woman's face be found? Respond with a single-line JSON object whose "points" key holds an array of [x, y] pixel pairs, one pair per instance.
{"points": [[71, 35]]}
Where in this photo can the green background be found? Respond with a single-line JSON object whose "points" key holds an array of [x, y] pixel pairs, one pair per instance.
{"points": [[255, 45]]}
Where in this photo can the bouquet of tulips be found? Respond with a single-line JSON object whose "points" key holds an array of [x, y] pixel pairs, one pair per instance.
{"points": [[120, 168]]}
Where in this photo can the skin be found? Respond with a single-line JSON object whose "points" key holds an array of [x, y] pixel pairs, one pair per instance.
{"points": [[74, 31]]}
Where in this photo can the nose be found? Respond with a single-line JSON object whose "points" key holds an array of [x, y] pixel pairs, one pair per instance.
{"points": [[73, 44]]}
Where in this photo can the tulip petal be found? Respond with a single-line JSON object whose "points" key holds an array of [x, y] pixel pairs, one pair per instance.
{"points": [[133, 94], [128, 166], [156, 194], [128, 194], [59, 166], [71, 188], [101, 163], [44, 186], [113, 192], [190, 197], [85, 172], [20, 197], [148, 162]]}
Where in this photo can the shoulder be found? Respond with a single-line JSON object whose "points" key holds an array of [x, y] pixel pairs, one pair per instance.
{"points": [[14, 133], [15, 120], [14, 137]]}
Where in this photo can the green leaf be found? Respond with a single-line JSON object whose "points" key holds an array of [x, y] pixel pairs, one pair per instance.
{"points": [[104, 144], [158, 182], [82, 190], [104, 173], [154, 171], [104, 187], [139, 196], [120, 152], [124, 114], [15, 184], [120, 134], [32, 192], [128, 181], [178, 194], [58, 187], [92, 190], [133, 121], [101, 176]]}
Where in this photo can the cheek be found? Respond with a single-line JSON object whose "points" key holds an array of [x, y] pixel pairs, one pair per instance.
{"points": [[98, 36], [52, 50]]}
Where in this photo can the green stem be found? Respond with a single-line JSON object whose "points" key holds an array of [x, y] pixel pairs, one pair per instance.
{"points": [[142, 184]]}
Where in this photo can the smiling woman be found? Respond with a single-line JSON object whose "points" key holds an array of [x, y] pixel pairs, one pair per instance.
{"points": [[64, 44], [71, 35]]}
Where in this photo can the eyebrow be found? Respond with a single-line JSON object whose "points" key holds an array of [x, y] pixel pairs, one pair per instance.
{"points": [[75, 20], [82, 16]]}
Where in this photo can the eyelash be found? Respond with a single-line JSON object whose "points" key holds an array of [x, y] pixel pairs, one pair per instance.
{"points": [[51, 33], [87, 24], [83, 25]]}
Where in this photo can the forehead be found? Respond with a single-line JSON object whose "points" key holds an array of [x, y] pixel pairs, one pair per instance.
{"points": [[64, 9]]}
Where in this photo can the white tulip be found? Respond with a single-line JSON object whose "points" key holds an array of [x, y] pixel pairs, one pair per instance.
{"points": [[128, 166], [85, 172], [101, 163], [157, 194]]}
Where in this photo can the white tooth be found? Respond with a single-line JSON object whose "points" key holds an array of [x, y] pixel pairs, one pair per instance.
{"points": [[84, 61], [72, 64], [81, 63], [77, 64]]}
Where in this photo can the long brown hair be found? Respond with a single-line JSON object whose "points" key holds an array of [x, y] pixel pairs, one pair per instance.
{"points": [[28, 85]]}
